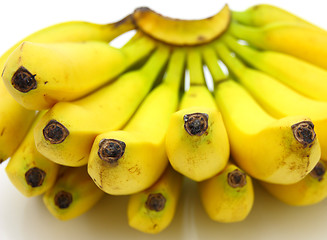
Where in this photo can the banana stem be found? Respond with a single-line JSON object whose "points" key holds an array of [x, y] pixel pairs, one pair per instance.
{"points": [[245, 52], [195, 67], [156, 62], [234, 65], [137, 49], [176, 68], [242, 17], [211, 60], [252, 34], [117, 28]]}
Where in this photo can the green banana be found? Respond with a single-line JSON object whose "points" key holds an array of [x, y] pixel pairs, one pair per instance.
{"points": [[131, 160], [66, 133]]}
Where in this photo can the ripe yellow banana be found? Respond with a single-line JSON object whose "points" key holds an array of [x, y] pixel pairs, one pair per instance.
{"points": [[152, 210], [296, 39], [310, 190], [181, 32], [129, 161], [264, 14], [16, 120], [302, 76], [68, 70], [228, 196], [279, 151], [30, 172], [73, 194], [276, 98], [66, 133], [196, 140]]}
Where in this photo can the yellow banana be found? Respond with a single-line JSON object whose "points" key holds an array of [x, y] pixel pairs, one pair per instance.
{"points": [[228, 196], [302, 76], [129, 161], [152, 210], [196, 141], [66, 133], [310, 190], [181, 32], [264, 14], [299, 40], [277, 99], [69, 71], [30, 172], [15, 120], [73, 194], [279, 151]]}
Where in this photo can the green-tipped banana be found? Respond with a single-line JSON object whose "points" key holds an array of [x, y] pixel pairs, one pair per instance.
{"points": [[264, 14], [196, 141], [73, 194], [66, 133], [279, 151], [299, 40], [29, 171], [15, 120], [152, 210], [129, 161], [68, 70], [310, 190], [276, 98], [227, 197], [300, 75]]}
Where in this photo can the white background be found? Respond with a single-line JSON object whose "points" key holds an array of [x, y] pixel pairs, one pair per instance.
{"points": [[27, 218]]}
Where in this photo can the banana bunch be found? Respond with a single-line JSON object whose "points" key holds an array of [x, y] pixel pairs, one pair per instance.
{"points": [[81, 119]]}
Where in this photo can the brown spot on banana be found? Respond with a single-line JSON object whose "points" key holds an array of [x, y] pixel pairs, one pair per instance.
{"points": [[23, 80], [196, 123], [35, 177], [318, 171], [55, 132], [236, 178], [155, 202], [111, 150], [304, 132], [63, 199]]}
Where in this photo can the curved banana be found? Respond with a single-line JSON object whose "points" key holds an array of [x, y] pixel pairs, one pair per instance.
{"points": [[228, 196], [279, 151], [310, 190], [152, 210], [30, 172], [264, 14], [300, 75], [15, 120], [181, 32], [196, 140], [298, 40], [131, 160], [276, 98], [66, 133], [70, 70], [73, 194]]}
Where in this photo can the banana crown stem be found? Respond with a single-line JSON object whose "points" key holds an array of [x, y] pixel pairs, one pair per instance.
{"points": [[234, 65], [195, 67]]}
